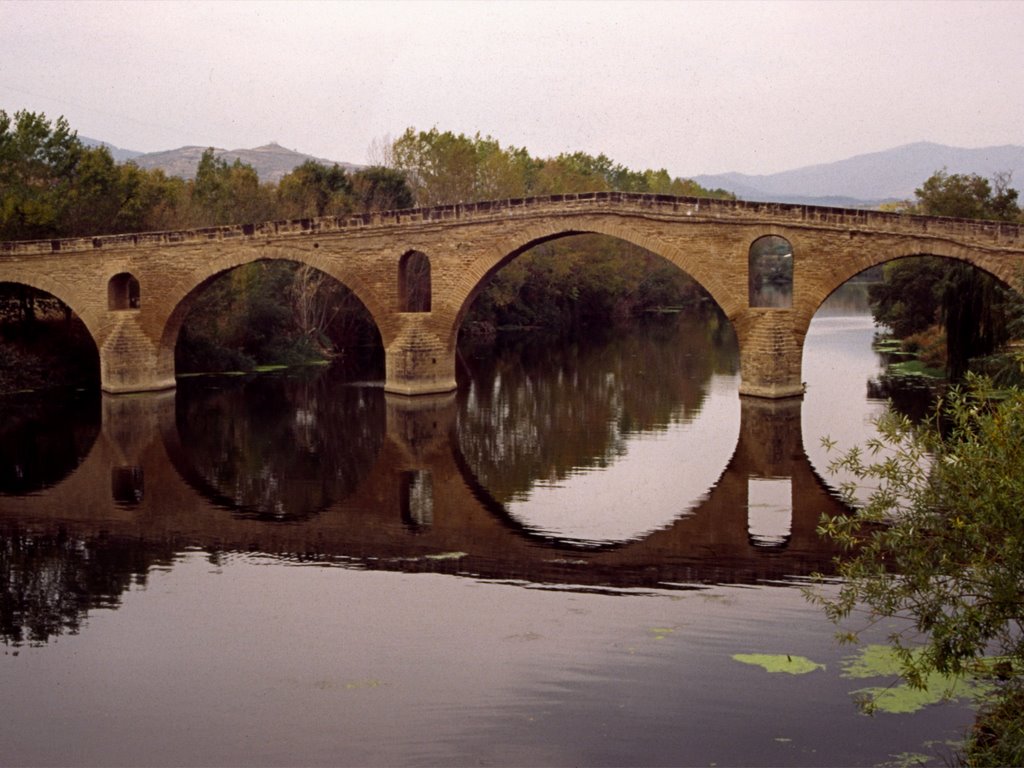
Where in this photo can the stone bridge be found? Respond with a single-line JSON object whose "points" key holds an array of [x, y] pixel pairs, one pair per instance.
{"points": [[134, 291]]}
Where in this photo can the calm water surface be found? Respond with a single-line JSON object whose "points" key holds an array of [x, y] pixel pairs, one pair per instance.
{"points": [[555, 566]]}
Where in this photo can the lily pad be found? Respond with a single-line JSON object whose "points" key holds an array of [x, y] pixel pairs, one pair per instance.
{"points": [[779, 662]]}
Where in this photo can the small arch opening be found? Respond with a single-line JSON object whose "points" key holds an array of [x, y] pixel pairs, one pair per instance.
{"points": [[414, 289], [127, 485], [770, 272], [123, 292], [769, 511], [417, 489]]}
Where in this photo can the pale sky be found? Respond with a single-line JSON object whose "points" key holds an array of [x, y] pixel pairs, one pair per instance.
{"points": [[692, 87]]}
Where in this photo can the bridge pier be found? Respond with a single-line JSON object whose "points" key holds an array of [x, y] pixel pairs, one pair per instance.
{"points": [[419, 361], [130, 361], [770, 353]]}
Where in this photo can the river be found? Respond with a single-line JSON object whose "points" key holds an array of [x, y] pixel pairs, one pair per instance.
{"points": [[572, 561]]}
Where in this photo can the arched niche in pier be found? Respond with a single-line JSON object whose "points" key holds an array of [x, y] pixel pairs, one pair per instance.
{"points": [[770, 272], [414, 289], [123, 292]]}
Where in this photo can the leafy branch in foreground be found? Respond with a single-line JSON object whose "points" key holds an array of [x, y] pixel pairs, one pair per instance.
{"points": [[939, 543]]}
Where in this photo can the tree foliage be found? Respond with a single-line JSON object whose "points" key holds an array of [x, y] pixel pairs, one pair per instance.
{"points": [[51, 185], [967, 196], [271, 312], [314, 189], [940, 543], [444, 168], [381, 189]]}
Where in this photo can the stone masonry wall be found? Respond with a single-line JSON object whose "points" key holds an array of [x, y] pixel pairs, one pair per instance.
{"points": [[708, 239]]}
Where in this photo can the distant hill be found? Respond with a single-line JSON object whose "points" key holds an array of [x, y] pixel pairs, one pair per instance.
{"points": [[862, 181], [120, 155], [871, 179], [271, 161]]}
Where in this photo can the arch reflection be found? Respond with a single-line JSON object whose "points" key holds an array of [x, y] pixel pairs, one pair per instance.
{"points": [[413, 508], [604, 442], [276, 448], [43, 441]]}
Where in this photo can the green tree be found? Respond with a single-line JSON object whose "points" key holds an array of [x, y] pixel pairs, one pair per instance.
{"points": [[579, 283], [38, 163], [940, 544], [381, 189], [967, 196], [224, 193], [93, 200], [150, 200], [314, 189], [440, 168], [443, 168], [909, 297]]}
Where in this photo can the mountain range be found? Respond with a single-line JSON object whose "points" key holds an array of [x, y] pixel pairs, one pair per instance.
{"points": [[871, 179], [271, 161], [863, 181]]}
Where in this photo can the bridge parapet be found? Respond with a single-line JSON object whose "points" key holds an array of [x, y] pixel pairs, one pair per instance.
{"points": [[697, 208]]}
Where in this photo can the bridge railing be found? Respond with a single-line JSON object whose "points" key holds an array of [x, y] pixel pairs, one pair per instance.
{"points": [[651, 204]]}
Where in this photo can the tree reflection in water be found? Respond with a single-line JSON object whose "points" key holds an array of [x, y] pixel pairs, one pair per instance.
{"points": [[50, 581], [42, 440], [279, 447], [535, 412], [310, 469]]}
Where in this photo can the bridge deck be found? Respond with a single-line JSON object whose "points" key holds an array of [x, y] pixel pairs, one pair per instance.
{"points": [[667, 205]]}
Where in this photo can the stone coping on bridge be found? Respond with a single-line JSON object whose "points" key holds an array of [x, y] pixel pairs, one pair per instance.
{"points": [[702, 207]]}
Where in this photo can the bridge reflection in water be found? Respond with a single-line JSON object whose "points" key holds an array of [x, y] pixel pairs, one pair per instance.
{"points": [[380, 481]]}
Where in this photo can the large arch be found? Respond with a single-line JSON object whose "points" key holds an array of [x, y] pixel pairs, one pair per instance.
{"points": [[66, 342], [471, 281], [66, 295], [878, 254], [201, 279]]}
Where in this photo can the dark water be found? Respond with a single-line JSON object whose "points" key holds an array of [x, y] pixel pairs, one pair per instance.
{"points": [[556, 566]]}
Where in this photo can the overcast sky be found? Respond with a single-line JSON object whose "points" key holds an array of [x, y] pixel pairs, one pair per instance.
{"points": [[691, 87]]}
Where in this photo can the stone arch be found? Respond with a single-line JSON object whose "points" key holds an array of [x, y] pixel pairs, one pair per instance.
{"points": [[473, 279], [1008, 272], [90, 341], [415, 290], [770, 272], [65, 294], [181, 303], [123, 292]]}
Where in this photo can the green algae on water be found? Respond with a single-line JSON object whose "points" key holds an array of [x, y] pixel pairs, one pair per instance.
{"points": [[779, 662], [882, 661]]}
